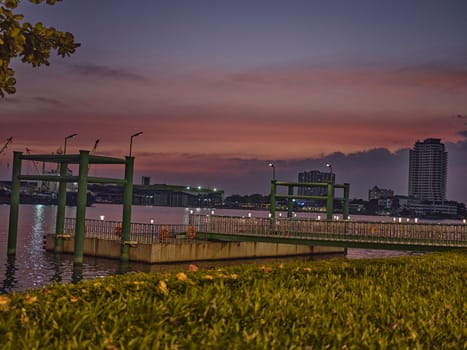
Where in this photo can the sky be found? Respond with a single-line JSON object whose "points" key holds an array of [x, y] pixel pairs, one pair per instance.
{"points": [[222, 88]]}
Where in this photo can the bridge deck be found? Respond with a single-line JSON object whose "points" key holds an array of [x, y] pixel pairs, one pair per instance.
{"points": [[401, 236], [351, 234]]}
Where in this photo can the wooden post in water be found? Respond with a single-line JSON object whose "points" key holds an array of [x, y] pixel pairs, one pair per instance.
{"points": [[80, 227], [14, 203]]}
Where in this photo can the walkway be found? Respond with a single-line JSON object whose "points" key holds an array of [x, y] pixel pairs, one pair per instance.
{"points": [[350, 234]]}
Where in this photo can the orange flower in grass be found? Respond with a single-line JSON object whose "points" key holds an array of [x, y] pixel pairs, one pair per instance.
{"points": [[163, 287], [30, 299], [192, 267], [4, 301], [182, 276], [266, 268]]}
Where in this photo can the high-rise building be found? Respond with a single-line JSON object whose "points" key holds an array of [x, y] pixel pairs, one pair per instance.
{"points": [[428, 171]]}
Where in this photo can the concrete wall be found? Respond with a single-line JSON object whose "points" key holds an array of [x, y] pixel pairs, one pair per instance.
{"points": [[190, 250]]}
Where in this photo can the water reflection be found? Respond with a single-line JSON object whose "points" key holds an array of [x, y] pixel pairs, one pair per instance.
{"points": [[37, 230], [123, 267], [33, 267], [57, 276], [77, 273], [10, 281]]}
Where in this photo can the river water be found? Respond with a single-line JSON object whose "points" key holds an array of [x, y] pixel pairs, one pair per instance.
{"points": [[33, 267]]}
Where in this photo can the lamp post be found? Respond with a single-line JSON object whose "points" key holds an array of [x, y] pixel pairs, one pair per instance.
{"points": [[273, 171], [330, 171], [131, 140], [66, 139]]}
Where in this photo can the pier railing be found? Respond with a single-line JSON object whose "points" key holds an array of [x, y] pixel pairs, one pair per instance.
{"points": [[139, 232], [447, 235], [296, 231]]}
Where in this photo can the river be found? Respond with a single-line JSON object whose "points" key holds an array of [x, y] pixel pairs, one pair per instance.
{"points": [[33, 267]]}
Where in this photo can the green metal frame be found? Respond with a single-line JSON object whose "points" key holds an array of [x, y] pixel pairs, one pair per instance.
{"points": [[83, 159], [329, 198]]}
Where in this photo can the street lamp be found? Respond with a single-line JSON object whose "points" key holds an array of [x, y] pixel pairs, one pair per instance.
{"points": [[273, 171], [131, 140], [66, 139], [330, 171]]}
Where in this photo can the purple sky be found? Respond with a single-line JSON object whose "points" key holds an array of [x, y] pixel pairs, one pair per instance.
{"points": [[220, 88]]}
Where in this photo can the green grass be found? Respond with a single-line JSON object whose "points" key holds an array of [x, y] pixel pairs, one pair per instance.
{"points": [[398, 303]]}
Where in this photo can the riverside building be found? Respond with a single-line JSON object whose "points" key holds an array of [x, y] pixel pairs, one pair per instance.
{"points": [[428, 162], [314, 176], [379, 193]]}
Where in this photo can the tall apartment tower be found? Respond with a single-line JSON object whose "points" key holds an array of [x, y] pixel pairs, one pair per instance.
{"points": [[428, 163]]}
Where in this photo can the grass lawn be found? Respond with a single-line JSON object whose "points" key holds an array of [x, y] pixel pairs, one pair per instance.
{"points": [[417, 302]]}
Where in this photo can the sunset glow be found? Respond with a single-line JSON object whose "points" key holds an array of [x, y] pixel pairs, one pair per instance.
{"points": [[222, 88]]}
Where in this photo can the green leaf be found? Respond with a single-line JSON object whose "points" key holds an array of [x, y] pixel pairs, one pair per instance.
{"points": [[12, 4], [33, 44]]}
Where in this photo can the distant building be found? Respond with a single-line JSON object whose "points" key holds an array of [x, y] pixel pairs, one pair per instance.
{"points": [[379, 193], [385, 203], [436, 208], [314, 176], [161, 194], [402, 201], [145, 180], [428, 165]]}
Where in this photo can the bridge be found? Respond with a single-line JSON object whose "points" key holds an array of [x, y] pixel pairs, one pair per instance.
{"points": [[311, 232], [341, 233]]}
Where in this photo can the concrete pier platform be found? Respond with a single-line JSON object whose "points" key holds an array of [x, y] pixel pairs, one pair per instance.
{"points": [[188, 250]]}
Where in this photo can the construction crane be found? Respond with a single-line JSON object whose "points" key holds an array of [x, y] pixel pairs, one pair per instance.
{"points": [[42, 186], [95, 146], [93, 151], [8, 141]]}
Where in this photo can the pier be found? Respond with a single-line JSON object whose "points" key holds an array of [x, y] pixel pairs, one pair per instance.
{"points": [[339, 233], [211, 237], [159, 243]]}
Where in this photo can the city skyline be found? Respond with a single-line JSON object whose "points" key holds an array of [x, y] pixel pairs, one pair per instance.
{"points": [[220, 89]]}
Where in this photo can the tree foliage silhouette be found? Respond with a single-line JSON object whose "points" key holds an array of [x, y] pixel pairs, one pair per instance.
{"points": [[32, 43]]}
